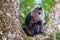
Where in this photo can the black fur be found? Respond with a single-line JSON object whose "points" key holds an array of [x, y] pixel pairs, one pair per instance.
{"points": [[36, 27]]}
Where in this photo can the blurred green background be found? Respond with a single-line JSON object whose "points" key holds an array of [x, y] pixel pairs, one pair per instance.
{"points": [[26, 5]]}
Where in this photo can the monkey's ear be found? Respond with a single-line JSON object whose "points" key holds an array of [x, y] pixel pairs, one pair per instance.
{"points": [[40, 8]]}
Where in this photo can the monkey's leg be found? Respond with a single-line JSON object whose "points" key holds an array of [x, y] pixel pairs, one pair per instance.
{"points": [[26, 30]]}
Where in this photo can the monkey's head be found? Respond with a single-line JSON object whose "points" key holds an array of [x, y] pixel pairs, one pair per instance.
{"points": [[37, 13]]}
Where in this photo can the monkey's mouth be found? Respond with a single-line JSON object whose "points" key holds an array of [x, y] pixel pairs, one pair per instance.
{"points": [[40, 17]]}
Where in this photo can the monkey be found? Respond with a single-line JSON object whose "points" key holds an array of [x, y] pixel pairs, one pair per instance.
{"points": [[34, 21]]}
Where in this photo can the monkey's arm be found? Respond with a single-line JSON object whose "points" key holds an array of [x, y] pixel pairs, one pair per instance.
{"points": [[38, 29], [27, 20]]}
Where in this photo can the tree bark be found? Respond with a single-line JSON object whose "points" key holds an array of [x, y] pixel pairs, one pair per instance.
{"points": [[9, 20], [10, 26]]}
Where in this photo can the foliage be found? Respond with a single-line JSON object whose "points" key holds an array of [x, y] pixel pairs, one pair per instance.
{"points": [[58, 36]]}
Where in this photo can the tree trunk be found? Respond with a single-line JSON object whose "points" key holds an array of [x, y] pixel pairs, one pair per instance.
{"points": [[9, 20], [10, 27]]}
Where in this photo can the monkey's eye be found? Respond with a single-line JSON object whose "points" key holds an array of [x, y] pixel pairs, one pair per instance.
{"points": [[39, 13]]}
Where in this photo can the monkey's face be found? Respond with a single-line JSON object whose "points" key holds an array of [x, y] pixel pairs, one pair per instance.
{"points": [[38, 13]]}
